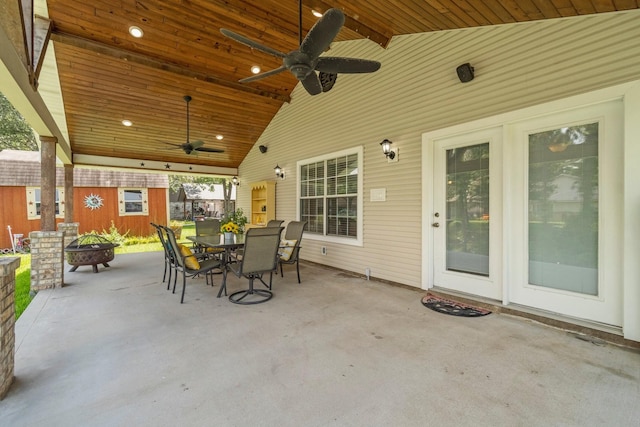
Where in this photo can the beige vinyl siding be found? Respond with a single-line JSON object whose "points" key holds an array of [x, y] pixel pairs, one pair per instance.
{"points": [[417, 91]]}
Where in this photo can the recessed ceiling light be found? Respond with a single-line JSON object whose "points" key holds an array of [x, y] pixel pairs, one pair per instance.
{"points": [[316, 13], [255, 69], [218, 137], [136, 31], [127, 122]]}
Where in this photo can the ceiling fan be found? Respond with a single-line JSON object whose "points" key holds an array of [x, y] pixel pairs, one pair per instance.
{"points": [[189, 147], [305, 61]]}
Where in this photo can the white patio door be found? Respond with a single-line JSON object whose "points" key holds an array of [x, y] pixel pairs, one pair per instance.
{"points": [[466, 222], [564, 180]]}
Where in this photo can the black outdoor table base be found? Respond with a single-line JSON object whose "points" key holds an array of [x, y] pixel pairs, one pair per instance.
{"points": [[237, 297]]}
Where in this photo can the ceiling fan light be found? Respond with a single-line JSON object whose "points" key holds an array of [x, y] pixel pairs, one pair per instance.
{"points": [[136, 31]]}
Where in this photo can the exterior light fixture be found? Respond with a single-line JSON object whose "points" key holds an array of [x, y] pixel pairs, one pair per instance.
{"points": [[136, 31], [316, 13], [386, 149], [235, 181], [255, 69], [219, 137], [279, 172], [126, 122]]}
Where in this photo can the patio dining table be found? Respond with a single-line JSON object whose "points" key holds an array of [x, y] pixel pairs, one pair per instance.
{"points": [[218, 241]]}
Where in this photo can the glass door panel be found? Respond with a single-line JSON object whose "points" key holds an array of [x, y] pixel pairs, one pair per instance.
{"points": [[563, 209], [467, 209], [467, 213]]}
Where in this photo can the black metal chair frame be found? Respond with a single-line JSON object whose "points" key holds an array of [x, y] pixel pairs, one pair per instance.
{"points": [[206, 265], [169, 262], [260, 256], [295, 229]]}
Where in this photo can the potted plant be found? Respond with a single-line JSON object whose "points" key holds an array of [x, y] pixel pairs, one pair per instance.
{"points": [[236, 218]]}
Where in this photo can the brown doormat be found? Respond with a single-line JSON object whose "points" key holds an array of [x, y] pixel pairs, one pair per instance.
{"points": [[452, 308]]}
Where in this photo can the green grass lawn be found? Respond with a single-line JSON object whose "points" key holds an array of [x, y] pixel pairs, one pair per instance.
{"points": [[23, 274]]}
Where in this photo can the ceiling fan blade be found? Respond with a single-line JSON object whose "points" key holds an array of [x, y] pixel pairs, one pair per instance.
{"points": [[335, 65], [209, 150], [195, 144], [263, 75], [312, 83], [173, 146], [322, 33], [252, 44]]}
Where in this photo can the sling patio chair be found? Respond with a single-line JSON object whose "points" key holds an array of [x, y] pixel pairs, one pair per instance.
{"points": [[169, 262], [207, 227], [274, 223], [188, 263], [289, 252], [259, 257]]}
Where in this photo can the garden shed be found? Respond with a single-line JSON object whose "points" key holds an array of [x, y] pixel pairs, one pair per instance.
{"points": [[130, 200]]}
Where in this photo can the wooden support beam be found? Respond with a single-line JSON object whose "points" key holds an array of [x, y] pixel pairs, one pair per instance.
{"points": [[48, 183], [68, 194], [41, 35], [381, 38], [148, 61]]}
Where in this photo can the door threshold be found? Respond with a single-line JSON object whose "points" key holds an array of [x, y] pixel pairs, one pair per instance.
{"points": [[608, 333]]}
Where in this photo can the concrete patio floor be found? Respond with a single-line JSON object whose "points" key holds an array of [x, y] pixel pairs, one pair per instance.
{"points": [[117, 349]]}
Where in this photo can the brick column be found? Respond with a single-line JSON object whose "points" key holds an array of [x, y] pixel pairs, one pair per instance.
{"points": [[70, 231], [8, 267], [47, 259]]}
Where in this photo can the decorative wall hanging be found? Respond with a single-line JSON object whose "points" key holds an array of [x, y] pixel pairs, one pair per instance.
{"points": [[93, 201]]}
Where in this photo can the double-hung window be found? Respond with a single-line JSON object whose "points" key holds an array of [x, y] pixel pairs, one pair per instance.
{"points": [[330, 196], [133, 201], [34, 202]]}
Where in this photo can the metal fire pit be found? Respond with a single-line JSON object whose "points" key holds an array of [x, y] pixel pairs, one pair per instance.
{"points": [[91, 250]]}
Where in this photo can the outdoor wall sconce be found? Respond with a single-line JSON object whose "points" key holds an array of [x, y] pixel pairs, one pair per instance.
{"points": [[386, 149], [235, 181], [279, 172]]}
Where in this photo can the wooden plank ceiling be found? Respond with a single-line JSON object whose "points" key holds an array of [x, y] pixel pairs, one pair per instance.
{"points": [[106, 75]]}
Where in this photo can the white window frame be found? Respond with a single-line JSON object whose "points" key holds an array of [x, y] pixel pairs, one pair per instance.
{"points": [[358, 240], [122, 205], [33, 200]]}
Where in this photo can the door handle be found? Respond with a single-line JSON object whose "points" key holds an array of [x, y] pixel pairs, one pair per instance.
{"points": [[435, 224]]}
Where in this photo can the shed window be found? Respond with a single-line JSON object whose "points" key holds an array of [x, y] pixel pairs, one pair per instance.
{"points": [[133, 201], [34, 204]]}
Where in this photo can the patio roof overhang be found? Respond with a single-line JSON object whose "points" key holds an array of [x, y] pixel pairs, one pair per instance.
{"points": [[93, 74]]}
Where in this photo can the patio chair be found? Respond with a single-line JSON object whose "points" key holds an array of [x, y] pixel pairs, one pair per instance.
{"points": [[289, 251], [259, 257], [207, 227], [168, 254], [274, 223], [188, 263]]}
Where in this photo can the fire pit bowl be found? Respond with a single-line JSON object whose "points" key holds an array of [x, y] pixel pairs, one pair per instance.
{"points": [[90, 249]]}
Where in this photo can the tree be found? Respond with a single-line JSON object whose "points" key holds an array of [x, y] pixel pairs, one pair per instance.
{"points": [[15, 132]]}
